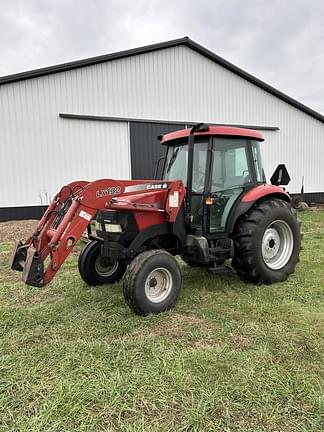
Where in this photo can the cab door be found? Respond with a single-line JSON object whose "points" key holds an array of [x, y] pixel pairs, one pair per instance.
{"points": [[231, 173], [176, 166], [198, 190]]}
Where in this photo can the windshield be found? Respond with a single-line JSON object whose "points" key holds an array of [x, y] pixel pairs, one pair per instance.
{"points": [[177, 162], [230, 164]]}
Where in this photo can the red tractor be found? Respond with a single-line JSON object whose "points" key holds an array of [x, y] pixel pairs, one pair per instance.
{"points": [[211, 204]]}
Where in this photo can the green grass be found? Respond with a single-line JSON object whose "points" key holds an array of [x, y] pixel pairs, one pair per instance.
{"points": [[230, 356]]}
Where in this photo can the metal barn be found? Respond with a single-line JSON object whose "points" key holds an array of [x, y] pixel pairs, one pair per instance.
{"points": [[100, 117]]}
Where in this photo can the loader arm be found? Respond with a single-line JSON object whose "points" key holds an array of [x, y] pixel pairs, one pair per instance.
{"points": [[71, 212]]}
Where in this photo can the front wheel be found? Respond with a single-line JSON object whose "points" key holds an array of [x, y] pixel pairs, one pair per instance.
{"points": [[152, 282], [267, 243], [96, 269]]}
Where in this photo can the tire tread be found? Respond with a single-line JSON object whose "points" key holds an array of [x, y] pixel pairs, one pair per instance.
{"points": [[246, 266], [131, 274]]}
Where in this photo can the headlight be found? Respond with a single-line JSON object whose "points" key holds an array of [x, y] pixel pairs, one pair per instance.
{"points": [[109, 227], [113, 228]]}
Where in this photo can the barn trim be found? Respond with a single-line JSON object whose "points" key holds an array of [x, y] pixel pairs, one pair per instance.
{"points": [[137, 120]]}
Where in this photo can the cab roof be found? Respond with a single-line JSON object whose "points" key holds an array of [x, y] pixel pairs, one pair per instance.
{"points": [[225, 131]]}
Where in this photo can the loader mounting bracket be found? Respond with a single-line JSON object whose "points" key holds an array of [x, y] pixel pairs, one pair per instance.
{"points": [[33, 272], [18, 256]]}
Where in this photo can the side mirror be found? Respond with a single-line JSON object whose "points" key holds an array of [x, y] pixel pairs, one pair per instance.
{"points": [[280, 176]]}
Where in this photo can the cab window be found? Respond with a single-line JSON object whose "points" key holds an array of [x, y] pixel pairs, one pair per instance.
{"points": [[199, 167], [230, 164], [230, 172], [177, 164]]}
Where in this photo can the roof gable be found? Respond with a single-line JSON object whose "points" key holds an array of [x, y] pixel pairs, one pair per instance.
{"points": [[163, 45]]}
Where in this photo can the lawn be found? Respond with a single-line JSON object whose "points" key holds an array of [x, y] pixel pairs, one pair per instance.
{"points": [[230, 356]]}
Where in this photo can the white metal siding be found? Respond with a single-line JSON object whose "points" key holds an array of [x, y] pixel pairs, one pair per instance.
{"points": [[174, 84], [38, 156]]}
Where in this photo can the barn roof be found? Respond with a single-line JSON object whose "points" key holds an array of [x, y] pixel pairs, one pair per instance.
{"points": [[186, 41]]}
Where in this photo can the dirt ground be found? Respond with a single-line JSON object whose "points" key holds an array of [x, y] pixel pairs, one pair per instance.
{"points": [[16, 230]]}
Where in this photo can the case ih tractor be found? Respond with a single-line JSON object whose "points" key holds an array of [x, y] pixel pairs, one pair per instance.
{"points": [[211, 204]]}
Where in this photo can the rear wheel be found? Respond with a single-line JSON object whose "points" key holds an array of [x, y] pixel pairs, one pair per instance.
{"points": [[152, 282], [96, 269], [267, 243]]}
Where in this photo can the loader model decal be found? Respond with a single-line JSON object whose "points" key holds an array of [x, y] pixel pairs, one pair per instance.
{"points": [[109, 191]]}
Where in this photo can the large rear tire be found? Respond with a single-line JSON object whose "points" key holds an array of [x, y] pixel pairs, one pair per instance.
{"points": [[96, 269], [152, 282], [267, 243]]}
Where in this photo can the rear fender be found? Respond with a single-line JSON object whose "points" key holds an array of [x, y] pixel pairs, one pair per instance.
{"points": [[252, 196]]}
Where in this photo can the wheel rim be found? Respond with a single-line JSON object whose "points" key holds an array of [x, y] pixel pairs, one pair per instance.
{"points": [[105, 266], [158, 285], [277, 244]]}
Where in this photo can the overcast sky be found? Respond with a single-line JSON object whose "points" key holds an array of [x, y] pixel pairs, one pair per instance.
{"points": [[279, 41]]}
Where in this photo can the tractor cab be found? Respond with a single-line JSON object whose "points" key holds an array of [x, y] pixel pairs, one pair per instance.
{"points": [[217, 165]]}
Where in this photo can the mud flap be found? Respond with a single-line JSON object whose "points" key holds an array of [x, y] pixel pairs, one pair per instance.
{"points": [[18, 256], [33, 272]]}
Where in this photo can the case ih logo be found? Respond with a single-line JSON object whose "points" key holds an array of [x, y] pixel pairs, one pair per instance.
{"points": [[157, 186], [109, 191]]}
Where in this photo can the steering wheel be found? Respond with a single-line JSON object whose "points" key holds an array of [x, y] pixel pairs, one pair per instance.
{"points": [[220, 200]]}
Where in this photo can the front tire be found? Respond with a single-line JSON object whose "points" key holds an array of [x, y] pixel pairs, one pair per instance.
{"points": [[267, 243], [95, 269], [152, 282]]}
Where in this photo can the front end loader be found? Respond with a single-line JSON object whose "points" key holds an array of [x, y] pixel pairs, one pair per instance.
{"points": [[211, 204]]}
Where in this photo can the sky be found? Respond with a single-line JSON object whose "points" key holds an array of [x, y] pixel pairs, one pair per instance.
{"points": [[278, 41]]}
